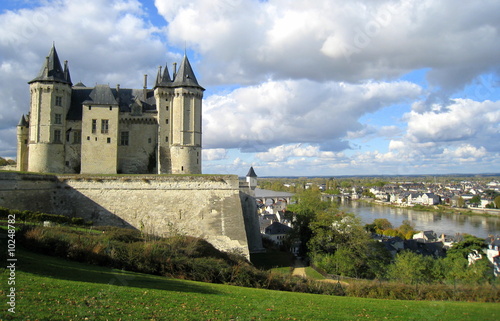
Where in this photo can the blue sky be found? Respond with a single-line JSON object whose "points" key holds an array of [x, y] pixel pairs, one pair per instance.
{"points": [[293, 87]]}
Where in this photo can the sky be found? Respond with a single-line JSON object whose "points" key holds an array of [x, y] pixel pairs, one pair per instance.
{"points": [[293, 87]]}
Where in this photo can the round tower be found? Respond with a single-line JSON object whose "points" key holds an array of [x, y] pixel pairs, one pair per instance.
{"points": [[50, 100], [185, 129], [164, 94]]}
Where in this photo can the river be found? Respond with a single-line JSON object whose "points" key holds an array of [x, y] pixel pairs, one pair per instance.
{"points": [[480, 226]]}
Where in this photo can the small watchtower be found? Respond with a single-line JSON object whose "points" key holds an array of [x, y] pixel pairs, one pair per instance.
{"points": [[251, 179]]}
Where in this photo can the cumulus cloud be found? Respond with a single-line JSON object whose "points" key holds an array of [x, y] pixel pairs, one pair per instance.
{"points": [[274, 113], [337, 40], [214, 154], [464, 120]]}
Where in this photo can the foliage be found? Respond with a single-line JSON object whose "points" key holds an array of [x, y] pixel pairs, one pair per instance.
{"points": [[411, 268], [497, 201], [30, 216], [179, 256], [307, 205], [476, 199], [7, 162], [335, 241], [463, 248], [383, 227]]}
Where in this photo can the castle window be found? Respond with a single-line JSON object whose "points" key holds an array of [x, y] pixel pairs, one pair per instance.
{"points": [[110, 107], [58, 101], [104, 126], [166, 121], [150, 140], [57, 136], [124, 138], [166, 139], [77, 137], [58, 119], [94, 126], [109, 140], [167, 108]]}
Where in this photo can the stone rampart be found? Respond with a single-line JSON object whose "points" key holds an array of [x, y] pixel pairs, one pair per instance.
{"points": [[205, 206]]}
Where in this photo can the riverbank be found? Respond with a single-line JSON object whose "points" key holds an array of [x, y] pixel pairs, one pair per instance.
{"points": [[441, 209]]}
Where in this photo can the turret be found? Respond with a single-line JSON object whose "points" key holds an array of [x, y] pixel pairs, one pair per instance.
{"points": [[50, 102], [22, 144], [251, 179], [164, 95]]}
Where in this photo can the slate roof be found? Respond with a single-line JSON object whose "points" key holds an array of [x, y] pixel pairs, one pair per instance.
{"points": [[185, 76], [163, 79], [52, 69], [277, 228], [251, 172], [101, 95], [23, 122], [124, 97]]}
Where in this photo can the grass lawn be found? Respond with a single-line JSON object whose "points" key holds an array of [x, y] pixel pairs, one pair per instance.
{"points": [[49, 288], [313, 274]]}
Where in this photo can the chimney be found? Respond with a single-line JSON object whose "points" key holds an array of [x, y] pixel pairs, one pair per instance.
{"points": [[118, 93], [145, 88], [175, 70]]}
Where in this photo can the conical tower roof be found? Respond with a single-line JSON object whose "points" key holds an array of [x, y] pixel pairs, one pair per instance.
{"points": [[185, 76], [163, 79], [23, 122], [251, 172], [52, 69]]}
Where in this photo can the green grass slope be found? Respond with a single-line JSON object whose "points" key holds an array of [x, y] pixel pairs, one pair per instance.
{"points": [[49, 288]]}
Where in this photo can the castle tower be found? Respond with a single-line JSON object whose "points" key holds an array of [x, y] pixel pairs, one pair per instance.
{"points": [[22, 144], [251, 178], [50, 101], [164, 94], [179, 118]]}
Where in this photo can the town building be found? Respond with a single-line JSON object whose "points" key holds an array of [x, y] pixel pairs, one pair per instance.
{"points": [[103, 130]]}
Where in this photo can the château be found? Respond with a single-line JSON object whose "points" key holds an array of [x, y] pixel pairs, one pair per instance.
{"points": [[103, 130]]}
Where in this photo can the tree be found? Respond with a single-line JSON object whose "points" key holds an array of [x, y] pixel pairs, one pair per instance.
{"points": [[411, 268], [307, 205], [497, 201], [382, 224], [476, 199]]}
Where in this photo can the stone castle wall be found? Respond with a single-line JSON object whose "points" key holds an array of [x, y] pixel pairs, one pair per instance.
{"points": [[204, 206]]}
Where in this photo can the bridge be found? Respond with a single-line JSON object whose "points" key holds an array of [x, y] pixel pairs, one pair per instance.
{"points": [[266, 196]]}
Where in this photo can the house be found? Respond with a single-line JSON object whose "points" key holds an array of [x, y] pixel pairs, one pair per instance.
{"points": [[493, 254], [394, 245], [429, 199], [425, 237], [434, 249], [277, 232]]}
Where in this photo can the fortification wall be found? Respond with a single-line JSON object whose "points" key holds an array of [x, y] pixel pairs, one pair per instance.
{"points": [[204, 206]]}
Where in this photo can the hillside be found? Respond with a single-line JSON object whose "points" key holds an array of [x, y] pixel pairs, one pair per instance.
{"points": [[49, 288]]}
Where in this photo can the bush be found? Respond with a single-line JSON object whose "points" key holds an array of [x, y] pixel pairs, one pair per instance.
{"points": [[30, 216], [195, 259]]}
